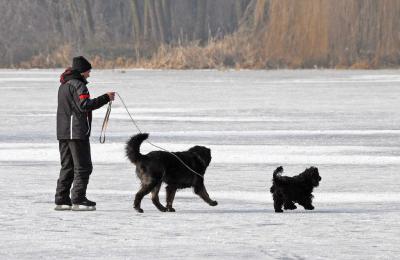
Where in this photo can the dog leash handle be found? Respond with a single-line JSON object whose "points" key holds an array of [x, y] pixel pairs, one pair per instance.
{"points": [[105, 124]]}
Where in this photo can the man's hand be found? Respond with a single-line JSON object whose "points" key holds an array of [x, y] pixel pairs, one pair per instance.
{"points": [[111, 95]]}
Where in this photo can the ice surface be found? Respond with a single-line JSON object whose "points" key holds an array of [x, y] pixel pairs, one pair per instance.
{"points": [[344, 122]]}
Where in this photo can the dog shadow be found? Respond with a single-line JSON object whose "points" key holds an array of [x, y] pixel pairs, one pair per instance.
{"points": [[287, 212], [226, 211]]}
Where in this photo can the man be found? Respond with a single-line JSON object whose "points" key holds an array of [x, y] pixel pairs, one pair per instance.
{"points": [[74, 118]]}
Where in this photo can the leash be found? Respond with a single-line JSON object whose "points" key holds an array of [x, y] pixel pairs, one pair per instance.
{"points": [[105, 124]]}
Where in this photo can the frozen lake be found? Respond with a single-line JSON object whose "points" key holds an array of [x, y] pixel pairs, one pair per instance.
{"points": [[344, 122]]}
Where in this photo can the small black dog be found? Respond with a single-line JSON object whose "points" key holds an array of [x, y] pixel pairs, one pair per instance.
{"points": [[160, 166], [297, 189]]}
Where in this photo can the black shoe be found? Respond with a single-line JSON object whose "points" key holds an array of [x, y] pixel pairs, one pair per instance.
{"points": [[84, 205], [64, 204]]}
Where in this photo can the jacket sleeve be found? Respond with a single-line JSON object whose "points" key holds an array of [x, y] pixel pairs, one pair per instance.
{"points": [[84, 102]]}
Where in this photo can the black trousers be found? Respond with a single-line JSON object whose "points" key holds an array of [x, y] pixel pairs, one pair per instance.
{"points": [[76, 167]]}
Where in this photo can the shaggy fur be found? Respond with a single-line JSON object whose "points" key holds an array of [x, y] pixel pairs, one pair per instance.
{"points": [[159, 166], [297, 189]]}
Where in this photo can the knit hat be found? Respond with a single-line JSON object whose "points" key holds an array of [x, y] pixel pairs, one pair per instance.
{"points": [[81, 64]]}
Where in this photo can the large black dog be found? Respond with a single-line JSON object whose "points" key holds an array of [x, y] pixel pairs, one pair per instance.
{"points": [[159, 166], [297, 189]]}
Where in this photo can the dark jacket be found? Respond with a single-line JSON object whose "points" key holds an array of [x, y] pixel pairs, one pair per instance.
{"points": [[74, 111]]}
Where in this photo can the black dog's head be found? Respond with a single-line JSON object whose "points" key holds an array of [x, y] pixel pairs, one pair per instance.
{"points": [[312, 174], [203, 153]]}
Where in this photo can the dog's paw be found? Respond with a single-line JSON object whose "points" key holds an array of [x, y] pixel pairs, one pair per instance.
{"points": [[311, 207], [213, 203], [170, 209], [138, 209], [161, 208], [278, 210]]}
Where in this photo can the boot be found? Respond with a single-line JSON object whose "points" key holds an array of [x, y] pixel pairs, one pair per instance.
{"points": [[84, 205], [64, 204]]}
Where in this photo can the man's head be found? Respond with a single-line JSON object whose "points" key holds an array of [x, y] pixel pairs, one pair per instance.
{"points": [[81, 65]]}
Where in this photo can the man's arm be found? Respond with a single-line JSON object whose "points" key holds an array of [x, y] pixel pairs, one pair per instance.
{"points": [[84, 103]]}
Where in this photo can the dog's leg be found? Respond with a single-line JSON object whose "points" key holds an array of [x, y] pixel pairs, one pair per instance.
{"points": [[170, 197], [278, 202], [202, 192], [288, 204], [306, 203], [156, 199], [146, 189]]}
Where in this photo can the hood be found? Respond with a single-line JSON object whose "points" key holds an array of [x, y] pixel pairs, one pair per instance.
{"points": [[69, 74]]}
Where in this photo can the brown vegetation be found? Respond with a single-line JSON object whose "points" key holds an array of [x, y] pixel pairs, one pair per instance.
{"points": [[328, 33], [302, 34], [182, 34], [33, 31]]}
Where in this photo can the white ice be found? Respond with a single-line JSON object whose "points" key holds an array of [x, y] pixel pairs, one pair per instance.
{"points": [[344, 122]]}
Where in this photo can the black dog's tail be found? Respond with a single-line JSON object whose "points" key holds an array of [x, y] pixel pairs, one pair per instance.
{"points": [[275, 179], [133, 147], [278, 171]]}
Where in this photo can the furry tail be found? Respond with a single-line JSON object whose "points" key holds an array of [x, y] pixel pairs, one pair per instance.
{"points": [[278, 171], [133, 147]]}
